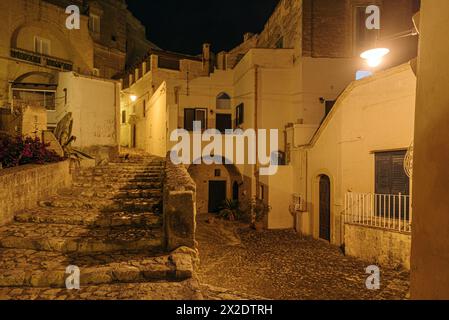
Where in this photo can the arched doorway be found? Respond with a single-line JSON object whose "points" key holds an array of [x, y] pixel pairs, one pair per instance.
{"points": [[215, 183], [325, 208]]}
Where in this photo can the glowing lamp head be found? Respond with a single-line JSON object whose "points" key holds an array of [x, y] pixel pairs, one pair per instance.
{"points": [[133, 98], [374, 57]]}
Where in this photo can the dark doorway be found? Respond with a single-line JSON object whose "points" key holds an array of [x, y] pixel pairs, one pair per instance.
{"points": [[325, 208], [133, 138], [217, 195], [235, 191], [224, 122]]}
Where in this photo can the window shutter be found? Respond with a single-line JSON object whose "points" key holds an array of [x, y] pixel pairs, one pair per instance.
{"points": [[390, 174], [189, 117]]}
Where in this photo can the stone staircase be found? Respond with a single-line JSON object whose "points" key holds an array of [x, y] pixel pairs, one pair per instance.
{"points": [[109, 225]]}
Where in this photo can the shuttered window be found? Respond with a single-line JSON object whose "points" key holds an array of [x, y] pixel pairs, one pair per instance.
{"points": [[391, 180], [390, 174], [239, 114], [191, 115]]}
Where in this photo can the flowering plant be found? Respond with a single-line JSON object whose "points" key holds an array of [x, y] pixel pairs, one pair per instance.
{"points": [[16, 151]]}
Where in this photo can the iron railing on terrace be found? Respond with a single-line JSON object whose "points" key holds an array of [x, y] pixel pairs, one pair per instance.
{"points": [[41, 59], [386, 211]]}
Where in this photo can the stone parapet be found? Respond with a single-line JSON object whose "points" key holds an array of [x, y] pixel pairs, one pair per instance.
{"points": [[23, 187], [179, 207]]}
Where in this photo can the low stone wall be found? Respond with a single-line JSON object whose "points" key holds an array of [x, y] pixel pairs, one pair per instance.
{"points": [[378, 246], [179, 207], [22, 187]]}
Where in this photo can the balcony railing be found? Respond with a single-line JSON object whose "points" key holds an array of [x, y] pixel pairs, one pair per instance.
{"points": [[40, 59], [386, 211]]}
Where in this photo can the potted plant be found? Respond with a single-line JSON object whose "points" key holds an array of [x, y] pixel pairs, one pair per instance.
{"points": [[230, 210], [259, 210]]}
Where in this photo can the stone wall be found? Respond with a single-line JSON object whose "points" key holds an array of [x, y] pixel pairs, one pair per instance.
{"points": [[179, 207], [378, 246], [284, 26], [22, 187]]}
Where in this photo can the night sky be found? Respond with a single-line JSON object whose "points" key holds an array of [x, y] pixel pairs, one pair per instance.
{"points": [[184, 25]]}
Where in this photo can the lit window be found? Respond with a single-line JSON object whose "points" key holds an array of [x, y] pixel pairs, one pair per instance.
{"points": [[94, 23], [42, 45]]}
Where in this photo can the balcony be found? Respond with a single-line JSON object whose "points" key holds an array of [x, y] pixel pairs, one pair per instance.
{"points": [[42, 60]]}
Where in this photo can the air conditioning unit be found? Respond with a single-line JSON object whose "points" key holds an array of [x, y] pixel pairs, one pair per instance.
{"points": [[298, 204]]}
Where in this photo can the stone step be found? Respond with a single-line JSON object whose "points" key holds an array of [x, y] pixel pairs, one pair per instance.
{"points": [[183, 291], [111, 193], [117, 181], [29, 268], [118, 173], [106, 205], [93, 218], [107, 188], [125, 175], [135, 165], [81, 239]]}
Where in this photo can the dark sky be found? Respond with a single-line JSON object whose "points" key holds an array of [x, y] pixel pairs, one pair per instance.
{"points": [[184, 25]]}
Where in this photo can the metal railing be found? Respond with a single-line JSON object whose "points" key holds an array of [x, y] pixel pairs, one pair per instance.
{"points": [[41, 59], [386, 211]]}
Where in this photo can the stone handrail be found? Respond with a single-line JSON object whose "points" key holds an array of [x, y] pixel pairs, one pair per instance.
{"points": [[179, 207]]}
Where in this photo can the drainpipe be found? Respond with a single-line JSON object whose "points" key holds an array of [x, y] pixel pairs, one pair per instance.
{"points": [[256, 127]]}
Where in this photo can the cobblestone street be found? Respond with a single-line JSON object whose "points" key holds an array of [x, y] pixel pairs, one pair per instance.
{"points": [[281, 265]]}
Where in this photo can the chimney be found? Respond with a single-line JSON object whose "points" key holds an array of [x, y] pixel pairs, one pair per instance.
{"points": [[207, 58]]}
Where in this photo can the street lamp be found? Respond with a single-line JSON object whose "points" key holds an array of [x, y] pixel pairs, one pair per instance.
{"points": [[374, 57]]}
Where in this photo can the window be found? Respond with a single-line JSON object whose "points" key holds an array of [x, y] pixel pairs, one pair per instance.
{"points": [[391, 179], [191, 115], [217, 173], [124, 117], [390, 174], [363, 37], [239, 114], [144, 108], [223, 101], [42, 45], [94, 23]]}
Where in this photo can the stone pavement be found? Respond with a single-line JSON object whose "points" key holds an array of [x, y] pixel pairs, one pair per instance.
{"points": [[281, 265], [109, 225]]}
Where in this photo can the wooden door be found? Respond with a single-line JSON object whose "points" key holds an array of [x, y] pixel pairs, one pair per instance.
{"points": [[217, 195], [325, 208]]}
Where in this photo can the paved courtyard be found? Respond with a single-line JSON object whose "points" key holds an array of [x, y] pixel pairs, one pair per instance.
{"points": [[281, 265]]}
